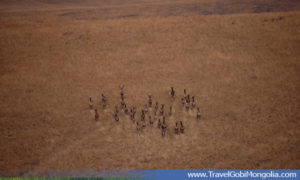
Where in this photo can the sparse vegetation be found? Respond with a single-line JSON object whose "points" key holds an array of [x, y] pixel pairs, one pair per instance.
{"points": [[243, 69]]}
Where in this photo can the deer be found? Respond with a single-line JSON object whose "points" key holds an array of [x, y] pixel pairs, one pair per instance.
{"points": [[143, 115], [123, 104], [198, 113], [116, 109], [146, 108], [96, 115], [150, 120], [181, 127], [164, 128], [176, 128], [144, 124], [150, 100], [91, 103], [159, 123], [182, 102], [156, 106], [125, 109], [116, 116], [103, 101], [170, 113], [138, 126], [132, 114], [193, 102], [162, 110], [188, 100], [122, 91], [187, 105], [155, 116], [172, 92]]}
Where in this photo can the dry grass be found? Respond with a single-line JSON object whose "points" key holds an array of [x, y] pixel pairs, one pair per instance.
{"points": [[243, 69]]}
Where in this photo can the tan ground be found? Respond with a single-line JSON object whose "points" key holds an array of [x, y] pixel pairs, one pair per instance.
{"points": [[243, 68]]}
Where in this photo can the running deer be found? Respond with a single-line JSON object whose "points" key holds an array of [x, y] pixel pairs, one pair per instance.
{"points": [[156, 106], [138, 126], [116, 116], [144, 124], [123, 103], [146, 108], [143, 115], [198, 113], [163, 128], [103, 101], [96, 115], [181, 127], [150, 120], [125, 109], [170, 113], [150, 100], [172, 92], [162, 110], [159, 123], [176, 129], [122, 92], [188, 100], [193, 102], [116, 109], [155, 116], [182, 102], [91, 103], [132, 114], [187, 105]]}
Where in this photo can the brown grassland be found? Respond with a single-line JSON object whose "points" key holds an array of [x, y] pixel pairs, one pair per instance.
{"points": [[241, 61]]}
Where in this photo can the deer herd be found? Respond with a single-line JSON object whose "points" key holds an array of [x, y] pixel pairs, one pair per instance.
{"points": [[157, 115]]}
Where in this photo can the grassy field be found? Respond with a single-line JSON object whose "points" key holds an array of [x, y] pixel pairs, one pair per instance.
{"points": [[242, 67]]}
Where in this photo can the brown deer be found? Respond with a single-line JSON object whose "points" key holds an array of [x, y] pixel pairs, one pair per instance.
{"points": [[170, 113], [91, 103], [116, 116], [132, 114], [125, 109], [181, 127], [138, 126], [123, 103], [162, 110], [103, 101], [193, 102], [122, 92], [143, 115], [144, 124], [172, 92], [116, 109], [176, 129], [187, 105], [150, 100], [156, 106], [182, 102], [96, 115], [164, 128], [159, 123], [146, 108], [198, 113], [150, 120]]}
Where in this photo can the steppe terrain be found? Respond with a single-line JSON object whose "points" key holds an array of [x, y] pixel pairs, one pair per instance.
{"points": [[239, 59]]}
